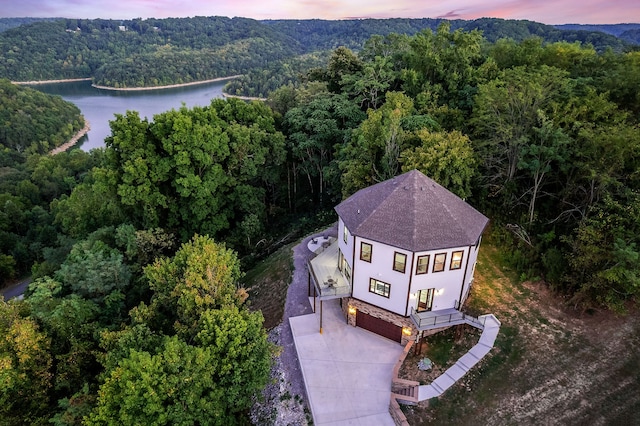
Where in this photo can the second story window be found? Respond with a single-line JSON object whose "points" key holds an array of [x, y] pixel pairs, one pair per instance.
{"points": [[346, 234], [438, 262], [399, 262], [422, 265], [365, 251], [456, 260]]}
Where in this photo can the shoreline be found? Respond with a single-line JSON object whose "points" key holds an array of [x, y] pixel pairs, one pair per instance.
{"points": [[244, 98], [74, 140], [35, 82], [170, 86]]}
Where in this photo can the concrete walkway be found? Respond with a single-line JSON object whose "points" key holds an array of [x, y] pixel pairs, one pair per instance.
{"points": [[466, 362], [347, 370]]}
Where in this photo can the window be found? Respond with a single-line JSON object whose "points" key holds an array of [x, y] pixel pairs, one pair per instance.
{"points": [[345, 234], [438, 262], [399, 262], [422, 265], [380, 288], [456, 260], [365, 251]]}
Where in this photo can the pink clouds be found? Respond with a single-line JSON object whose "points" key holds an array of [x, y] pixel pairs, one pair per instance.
{"points": [[546, 11]]}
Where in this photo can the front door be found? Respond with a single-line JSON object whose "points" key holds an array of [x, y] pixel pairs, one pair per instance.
{"points": [[425, 300]]}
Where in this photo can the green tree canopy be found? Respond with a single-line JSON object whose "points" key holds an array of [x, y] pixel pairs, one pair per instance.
{"points": [[202, 275], [447, 158], [178, 383], [25, 367], [201, 170]]}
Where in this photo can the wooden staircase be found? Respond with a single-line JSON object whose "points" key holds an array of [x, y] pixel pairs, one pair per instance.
{"points": [[402, 390], [405, 392]]}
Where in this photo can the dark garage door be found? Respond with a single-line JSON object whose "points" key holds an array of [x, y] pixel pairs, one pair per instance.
{"points": [[378, 326]]}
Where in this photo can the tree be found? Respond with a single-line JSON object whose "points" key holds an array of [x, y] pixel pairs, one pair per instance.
{"points": [[208, 383], [547, 148], [447, 158], [372, 154], [202, 275], [94, 271], [507, 112], [91, 205], [174, 386], [25, 363], [314, 129], [71, 323], [444, 63], [604, 254], [239, 341], [369, 85], [342, 62], [199, 170], [7, 267]]}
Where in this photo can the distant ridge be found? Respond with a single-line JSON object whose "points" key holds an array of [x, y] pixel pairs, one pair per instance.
{"points": [[8, 23], [613, 29], [629, 33], [161, 52]]}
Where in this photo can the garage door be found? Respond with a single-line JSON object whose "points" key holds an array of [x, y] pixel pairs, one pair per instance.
{"points": [[378, 326]]}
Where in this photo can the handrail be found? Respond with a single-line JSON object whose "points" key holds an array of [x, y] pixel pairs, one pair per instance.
{"points": [[444, 319], [328, 291]]}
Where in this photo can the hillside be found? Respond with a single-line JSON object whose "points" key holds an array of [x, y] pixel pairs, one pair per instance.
{"points": [[156, 52], [35, 122], [319, 34], [550, 365]]}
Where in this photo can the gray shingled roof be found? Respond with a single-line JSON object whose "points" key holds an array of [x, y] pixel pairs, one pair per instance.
{"points": [[412, 212]]}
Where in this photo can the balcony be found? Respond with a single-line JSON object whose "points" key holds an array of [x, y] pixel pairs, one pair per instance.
{"points": [[430, 320], [328, 280]]}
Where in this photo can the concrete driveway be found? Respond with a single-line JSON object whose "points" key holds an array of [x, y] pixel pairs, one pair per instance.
{"points": [[347, 370]]}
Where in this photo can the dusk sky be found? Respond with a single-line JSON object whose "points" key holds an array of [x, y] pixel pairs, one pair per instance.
{"points": [[545, 11]]}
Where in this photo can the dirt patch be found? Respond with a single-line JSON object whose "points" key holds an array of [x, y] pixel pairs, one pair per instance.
{"points": [[267, 285], [550, 364]]}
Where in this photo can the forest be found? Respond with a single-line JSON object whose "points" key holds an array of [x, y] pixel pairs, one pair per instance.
{"points": [[157, 52], [141, 244]]}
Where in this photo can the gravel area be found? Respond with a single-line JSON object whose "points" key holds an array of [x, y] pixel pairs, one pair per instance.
{"points": [[285, 399]]}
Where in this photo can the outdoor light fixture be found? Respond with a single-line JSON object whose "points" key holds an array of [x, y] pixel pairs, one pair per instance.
{"points": [[406, 331], [352, 310]]}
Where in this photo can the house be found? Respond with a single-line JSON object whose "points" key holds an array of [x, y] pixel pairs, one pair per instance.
{"points": [[404, 259]]}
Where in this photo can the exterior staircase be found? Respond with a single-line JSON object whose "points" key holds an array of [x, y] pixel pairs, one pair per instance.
{"points": [[407, 392]]}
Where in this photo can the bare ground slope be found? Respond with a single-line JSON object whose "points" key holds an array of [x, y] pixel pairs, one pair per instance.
{"points": [[551, 364]]}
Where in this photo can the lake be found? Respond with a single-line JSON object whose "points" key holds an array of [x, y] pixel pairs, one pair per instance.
{"points": [[99, 106]]}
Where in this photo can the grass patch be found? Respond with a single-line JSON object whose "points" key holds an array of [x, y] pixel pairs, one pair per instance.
{"points": [[443, 349], [267, 285]]}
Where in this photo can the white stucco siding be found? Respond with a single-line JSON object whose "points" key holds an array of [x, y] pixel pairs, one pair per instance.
{"points": [[473, 258], [346, 248], [447, 283], [381, 269]]}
